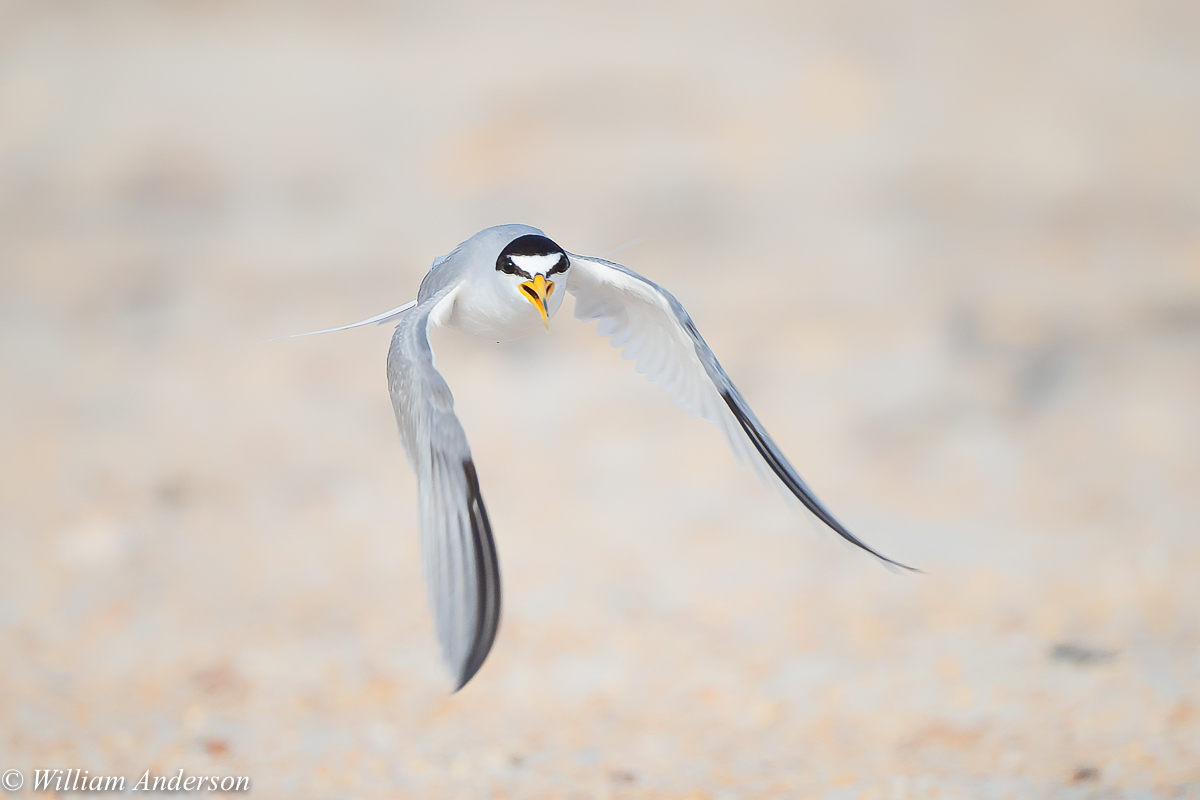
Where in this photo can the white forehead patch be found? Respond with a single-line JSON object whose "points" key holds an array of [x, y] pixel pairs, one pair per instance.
{"points": [[535, 264]]}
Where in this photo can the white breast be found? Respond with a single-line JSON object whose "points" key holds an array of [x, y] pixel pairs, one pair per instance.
{"points": [[496, 309]]}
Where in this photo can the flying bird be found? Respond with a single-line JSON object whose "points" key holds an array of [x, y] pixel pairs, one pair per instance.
{"points": [[505, 283]]}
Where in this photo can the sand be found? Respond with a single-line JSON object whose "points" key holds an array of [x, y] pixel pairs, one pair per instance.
{"points": [[950, 253]]}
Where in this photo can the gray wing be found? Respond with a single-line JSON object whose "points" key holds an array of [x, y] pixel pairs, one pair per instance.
{"points": [[457, 551], [651, 327]]}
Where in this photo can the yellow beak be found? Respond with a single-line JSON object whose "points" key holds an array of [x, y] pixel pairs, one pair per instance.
{"points": [[538, 291]]}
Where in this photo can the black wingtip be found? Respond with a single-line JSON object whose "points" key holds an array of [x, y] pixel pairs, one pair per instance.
{"points": [[487, 579], [889, 563], [821, 513], [787, 474]]}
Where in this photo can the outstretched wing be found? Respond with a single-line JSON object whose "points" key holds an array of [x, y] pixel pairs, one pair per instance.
{"points": [[457, 551], [378, 319], [650, 325]]}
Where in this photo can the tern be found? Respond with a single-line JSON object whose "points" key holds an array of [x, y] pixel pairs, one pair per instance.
{"points": [[503, 283]]}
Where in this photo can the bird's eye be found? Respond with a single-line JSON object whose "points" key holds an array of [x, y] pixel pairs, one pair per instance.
{"points": [[506, 265], [561, 266]]}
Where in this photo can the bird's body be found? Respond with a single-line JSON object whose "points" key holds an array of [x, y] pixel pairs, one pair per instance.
{"points": [[506, 283]]}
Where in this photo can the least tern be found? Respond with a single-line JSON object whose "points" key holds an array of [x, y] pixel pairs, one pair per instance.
{"points": [[501, 284]]}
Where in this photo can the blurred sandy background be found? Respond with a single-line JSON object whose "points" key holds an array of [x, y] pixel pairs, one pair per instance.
{"points": [[950, 252]]}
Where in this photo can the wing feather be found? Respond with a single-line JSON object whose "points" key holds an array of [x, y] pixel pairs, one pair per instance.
{"points": [[656, 332], [458, 552], [378, 319]]}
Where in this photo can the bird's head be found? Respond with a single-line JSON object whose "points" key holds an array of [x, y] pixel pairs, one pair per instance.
{"points": [[534, 261]]}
